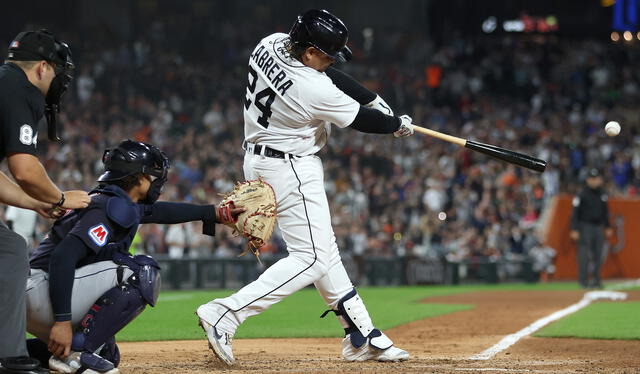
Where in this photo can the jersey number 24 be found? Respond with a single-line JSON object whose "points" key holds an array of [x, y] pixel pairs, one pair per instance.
{"points": [[266, 93]]}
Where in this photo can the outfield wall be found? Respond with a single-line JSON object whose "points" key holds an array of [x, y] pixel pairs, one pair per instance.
{"points": [[622, 250], [232, 273]]}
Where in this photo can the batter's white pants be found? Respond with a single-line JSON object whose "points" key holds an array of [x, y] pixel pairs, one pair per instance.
{"points": [[90, 282], [305, 222]]}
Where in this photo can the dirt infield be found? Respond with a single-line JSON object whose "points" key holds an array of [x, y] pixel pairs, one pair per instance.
{"points": [[437, 345]]}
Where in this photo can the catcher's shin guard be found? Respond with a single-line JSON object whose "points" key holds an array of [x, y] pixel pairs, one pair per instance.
{"points": [[116, 308], [113, 311], [352, 309]]}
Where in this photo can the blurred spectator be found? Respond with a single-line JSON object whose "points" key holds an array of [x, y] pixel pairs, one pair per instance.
{"points": [[164, 86], [22, 221], [176, 239], [542, 257]]}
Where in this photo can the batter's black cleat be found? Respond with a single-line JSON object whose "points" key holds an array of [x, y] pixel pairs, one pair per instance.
{"points": [[21, 365]]}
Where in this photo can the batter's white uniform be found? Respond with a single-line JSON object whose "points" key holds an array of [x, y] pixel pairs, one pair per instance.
{"points": [[289, 107]]}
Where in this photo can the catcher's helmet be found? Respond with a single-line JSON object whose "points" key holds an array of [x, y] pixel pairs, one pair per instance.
{"points": [[131, 157], [324, 31]]}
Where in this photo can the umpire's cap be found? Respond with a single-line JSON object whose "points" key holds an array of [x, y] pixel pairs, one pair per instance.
{"points": [[324, 31], [593, 173], [39, 45], [131, 157]]}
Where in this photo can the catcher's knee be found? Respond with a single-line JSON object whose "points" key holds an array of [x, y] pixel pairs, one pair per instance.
{"points": [[119, 305]]}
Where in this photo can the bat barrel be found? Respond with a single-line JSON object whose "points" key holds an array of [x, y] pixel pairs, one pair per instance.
{"points": [[508, 155]]}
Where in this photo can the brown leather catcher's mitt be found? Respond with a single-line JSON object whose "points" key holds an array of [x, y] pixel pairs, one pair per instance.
{"points": [[257, 221]]}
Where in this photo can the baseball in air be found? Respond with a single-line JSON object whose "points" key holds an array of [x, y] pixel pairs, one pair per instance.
{"points": [[612, 128]]}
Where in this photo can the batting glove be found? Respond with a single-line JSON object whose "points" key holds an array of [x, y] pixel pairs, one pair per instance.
{"points": [[405, 129], [380, 105]]}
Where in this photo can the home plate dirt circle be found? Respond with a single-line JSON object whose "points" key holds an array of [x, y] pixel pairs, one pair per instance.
{"points": [[437, 345]]}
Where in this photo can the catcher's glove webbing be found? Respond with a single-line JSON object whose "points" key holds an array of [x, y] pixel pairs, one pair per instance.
{"points": [[257, 221]]}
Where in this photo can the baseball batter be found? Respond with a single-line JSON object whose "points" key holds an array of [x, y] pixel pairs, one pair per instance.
{"points": [[84, 286], [293, 96]]}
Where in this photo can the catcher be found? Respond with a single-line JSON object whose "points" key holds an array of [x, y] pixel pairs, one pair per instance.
{"points": [[84, 286]]}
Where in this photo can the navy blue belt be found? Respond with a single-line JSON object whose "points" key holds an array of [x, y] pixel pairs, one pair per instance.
{"points": [[269, 152]]}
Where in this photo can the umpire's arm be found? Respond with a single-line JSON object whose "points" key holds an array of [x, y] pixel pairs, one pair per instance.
{"points": [[12, 194], [32, 177]]}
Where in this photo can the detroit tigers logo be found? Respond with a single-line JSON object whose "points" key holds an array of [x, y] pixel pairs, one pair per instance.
{"points": [[99, 234]]}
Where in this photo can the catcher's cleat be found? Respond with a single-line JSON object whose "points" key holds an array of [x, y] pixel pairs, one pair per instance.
{"points": [[369, 353], [90, 363], [219, 342]]}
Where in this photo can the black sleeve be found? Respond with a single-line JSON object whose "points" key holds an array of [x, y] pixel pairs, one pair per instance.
{"points": [[575, 215], [169, 213], [374, 121], [62, 270], [21, 127], [350, 86]]}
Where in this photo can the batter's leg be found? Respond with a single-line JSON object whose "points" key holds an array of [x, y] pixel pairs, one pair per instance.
{"points": [[362, 340], [305, 224]]}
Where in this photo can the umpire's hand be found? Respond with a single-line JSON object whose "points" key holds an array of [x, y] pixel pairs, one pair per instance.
{"points": [[76, 199], [60, 339], [574, 234]]}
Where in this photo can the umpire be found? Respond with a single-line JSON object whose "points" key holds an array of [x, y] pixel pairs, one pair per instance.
{"points": [[589, 224], [33, 79]]}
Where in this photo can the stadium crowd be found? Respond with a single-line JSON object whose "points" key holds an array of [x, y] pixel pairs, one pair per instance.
{"points": [[416, 196]]}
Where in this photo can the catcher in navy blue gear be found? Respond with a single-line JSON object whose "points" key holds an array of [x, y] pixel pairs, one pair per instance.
{"points": [[84, 286]]}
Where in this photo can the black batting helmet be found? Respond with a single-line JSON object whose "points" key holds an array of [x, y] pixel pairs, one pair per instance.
{"points": [[131, 157], [324, 31]]}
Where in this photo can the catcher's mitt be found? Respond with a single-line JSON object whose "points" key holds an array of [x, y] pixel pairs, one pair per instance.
{"points": [[257, 221]]}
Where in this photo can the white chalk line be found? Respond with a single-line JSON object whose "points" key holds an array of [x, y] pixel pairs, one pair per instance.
{"points": [[499, 369], [512, 339]]}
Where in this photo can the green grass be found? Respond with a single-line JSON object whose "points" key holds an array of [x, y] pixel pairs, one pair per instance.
{"points": [[601, 320], [298, 315]]}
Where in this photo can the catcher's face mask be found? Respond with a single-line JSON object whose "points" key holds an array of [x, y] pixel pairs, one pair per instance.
{"points": [[59, 86], [160, 173]]}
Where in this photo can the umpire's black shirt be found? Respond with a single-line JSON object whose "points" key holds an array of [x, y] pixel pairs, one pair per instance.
{"points": [[21, 108], [590, 206]]}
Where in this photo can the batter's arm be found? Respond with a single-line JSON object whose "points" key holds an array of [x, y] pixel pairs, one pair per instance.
{"points": [[372, 121], [350, 86], [358, 92]]}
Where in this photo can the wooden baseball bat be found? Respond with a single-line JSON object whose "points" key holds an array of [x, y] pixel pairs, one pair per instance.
{"points": [[503, 154]]}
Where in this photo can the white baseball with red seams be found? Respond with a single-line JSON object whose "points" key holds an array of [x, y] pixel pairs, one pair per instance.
{"points": [[289, 107], [612, 128]]}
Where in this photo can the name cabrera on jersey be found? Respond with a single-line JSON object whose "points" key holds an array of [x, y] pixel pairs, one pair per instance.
{"points": [[289, 106]]}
